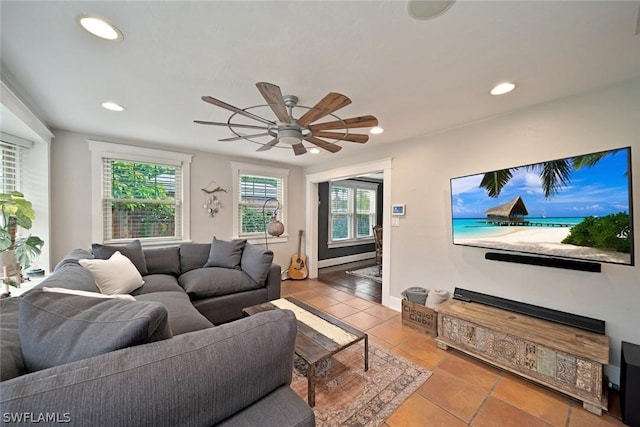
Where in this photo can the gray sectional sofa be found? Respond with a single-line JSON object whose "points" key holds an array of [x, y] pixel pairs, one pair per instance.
{"points": [[158, 360]]}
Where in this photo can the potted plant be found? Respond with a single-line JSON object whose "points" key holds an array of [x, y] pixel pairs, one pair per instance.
{"points": [[16, 253]]}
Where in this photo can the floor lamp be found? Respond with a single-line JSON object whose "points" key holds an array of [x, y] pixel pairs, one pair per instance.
{"points": [[275, 228]]}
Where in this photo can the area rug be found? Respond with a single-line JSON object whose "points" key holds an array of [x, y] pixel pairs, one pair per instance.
{"points": [[368, 272], [348, 396]]}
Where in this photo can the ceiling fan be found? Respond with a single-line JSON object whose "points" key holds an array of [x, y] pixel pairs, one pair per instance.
{"points": [[290, 131]]}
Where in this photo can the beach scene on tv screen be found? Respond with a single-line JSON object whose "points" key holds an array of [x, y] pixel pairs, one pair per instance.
{"points": [[577, 207]]}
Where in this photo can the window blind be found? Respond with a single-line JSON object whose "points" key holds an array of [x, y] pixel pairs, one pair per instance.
{"points": [[141, 200], [254, 191], [10, 165]]}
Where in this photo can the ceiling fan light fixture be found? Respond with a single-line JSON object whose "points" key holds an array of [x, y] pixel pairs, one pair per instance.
{"points": [[314, 150], [377, 130], [502, 88], [99, 28], [290, 136]]}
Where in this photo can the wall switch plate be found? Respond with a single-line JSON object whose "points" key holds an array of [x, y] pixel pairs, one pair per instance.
{"points": [[395, 222]]}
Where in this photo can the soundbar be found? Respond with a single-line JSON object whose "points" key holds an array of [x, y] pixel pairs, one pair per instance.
{"points": [[568, 319], [592, 267]]}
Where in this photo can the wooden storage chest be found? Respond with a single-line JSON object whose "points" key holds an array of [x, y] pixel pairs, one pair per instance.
{"points": [[564, 358]]}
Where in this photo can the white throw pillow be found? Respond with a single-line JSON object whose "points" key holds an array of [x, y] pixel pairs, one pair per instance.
{"points": [[125, 297], [116, 275]]}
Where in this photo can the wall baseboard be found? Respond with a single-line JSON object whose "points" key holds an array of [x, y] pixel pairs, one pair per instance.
{"points": [[345, 259]]}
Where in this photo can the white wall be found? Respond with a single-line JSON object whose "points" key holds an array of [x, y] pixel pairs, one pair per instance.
{"points": [[421, 249], [71, 196]]}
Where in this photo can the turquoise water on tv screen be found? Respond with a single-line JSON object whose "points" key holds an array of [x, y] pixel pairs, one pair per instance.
{"points": [[477, 227]]}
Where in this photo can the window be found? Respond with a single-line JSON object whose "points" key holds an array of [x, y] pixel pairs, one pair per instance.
{"points": [[142, 194], [352, 211], [257, 185], [11, 163], [141, 200]]}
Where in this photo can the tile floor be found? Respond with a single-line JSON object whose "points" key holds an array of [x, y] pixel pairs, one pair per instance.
{"points": [[462, 391]]}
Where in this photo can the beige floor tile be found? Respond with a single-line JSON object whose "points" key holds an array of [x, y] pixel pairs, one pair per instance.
{"points": [[580, 417], [392, 331], [478, 373], [452, 394], [423, 347], [322, 301], [417, 411], [536, 400], [495, 413], [340, 310], [359, 303], [382, 312], [340, 296], [362, 320]]}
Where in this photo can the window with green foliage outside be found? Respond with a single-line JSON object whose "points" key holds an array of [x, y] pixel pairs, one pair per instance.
{"points": [[254, 192], [353, 212], [141, 200]]}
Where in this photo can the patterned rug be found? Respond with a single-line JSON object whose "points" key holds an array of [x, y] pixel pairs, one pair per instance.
{"points": [[348, 396], [368, 272]]}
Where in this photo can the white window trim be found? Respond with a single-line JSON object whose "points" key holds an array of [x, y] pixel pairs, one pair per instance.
{"points": [[100, 150], [240, 168], [354, 241]]}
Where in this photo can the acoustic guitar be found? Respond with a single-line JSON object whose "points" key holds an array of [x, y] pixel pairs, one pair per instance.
{"points": [[298, 268]]}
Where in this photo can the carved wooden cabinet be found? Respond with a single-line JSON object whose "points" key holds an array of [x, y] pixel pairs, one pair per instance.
{"points": [[563, 358]]}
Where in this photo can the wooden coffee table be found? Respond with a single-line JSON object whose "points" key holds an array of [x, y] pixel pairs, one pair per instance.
{"points": [[320, 336]]}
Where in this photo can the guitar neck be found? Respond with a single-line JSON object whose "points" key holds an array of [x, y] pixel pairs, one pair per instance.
{"points": [[299, 242]]}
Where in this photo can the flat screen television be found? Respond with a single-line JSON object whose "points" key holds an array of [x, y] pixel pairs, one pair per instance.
{"points": [[576, 208]]}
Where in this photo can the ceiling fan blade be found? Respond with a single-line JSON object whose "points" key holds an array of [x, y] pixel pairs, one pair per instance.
{"points": [[333, 148], [268, 145], [353, 137], [354, 122], [298, 149], [202, 122], [238, 138], [273, 95], [229, 107], [327, 105]]}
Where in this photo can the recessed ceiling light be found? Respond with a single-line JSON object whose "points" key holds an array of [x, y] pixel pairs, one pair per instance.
{"points": [[314, 151], [112, 106], [502, 88], [423, 10], [376, 130], [99, 28]]}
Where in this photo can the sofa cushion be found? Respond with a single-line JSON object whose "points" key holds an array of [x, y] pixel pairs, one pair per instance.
{"points": [[132, 250], [116, 275], [215, 281], [183, 317], [225, 254], [158, 283], [256, 262], [70, 275], [193, 255], [57, 328], [163, 260], [11, 362]]}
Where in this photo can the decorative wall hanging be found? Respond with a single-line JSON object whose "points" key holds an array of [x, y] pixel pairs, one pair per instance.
{"points": [[211, 203]]}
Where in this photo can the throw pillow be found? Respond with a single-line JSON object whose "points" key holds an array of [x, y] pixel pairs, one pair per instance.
{"points": [[58, 328], [256, 262], [125, 297], [116, 275], [225, 254], [132, 250]]}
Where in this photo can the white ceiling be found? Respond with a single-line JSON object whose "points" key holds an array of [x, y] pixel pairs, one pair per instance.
{"points": [[417, 77]]}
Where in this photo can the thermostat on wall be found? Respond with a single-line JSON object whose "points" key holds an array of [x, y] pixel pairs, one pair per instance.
{"points": [[397, 210]]}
